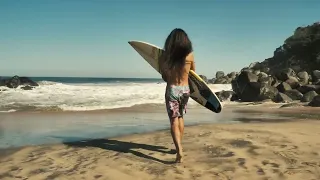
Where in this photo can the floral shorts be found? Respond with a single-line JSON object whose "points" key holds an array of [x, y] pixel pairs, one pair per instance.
{"points": [[176, 100]]}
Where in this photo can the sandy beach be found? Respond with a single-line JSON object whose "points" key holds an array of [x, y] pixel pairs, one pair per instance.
{"points": [[277, 149]]}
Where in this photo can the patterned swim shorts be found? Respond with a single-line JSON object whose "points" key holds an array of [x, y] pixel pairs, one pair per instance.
{"points": [[176, 100]]}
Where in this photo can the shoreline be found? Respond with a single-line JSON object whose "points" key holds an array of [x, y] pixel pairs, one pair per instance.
{"points": [[254, 121], [240, 107], [54, 127], [242, 115]]}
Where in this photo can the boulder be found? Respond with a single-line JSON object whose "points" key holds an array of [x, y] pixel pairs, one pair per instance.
{"points": [[27, 87], [225, 95], [204, 78], [219, 74], [265, 70], [256, 72], [220, 81], [283, 86], [307, 88], [247, 69], [232, 75], [293, 82], [211, 81], [262, 74], [242, 80], [275, 82], [17, 81], [315, 101], [254, 65], [304, 77], [282, 98], [294, 94], [265, 80], [284, 74], [234, 97], [255, 91], [13, 82], [307, 97], [315, 76]]}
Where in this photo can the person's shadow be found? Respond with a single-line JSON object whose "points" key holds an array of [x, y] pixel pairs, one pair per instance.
{"points": [[123, 147]]}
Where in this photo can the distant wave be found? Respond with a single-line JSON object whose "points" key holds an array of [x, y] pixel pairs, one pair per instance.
{"points": [[47, 83], [54, 96]]}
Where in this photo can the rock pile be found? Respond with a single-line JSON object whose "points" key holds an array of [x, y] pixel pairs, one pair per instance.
{"points": [[284, 87], [16, 81]]}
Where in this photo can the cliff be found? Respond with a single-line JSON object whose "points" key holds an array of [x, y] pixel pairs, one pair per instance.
{"points": [[292, 74]]}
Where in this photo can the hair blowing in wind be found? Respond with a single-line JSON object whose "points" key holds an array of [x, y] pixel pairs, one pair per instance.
{"points": [[177, 46]]}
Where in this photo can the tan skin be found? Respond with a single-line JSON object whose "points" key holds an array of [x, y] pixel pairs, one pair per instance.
{"points": [[177, 124]]}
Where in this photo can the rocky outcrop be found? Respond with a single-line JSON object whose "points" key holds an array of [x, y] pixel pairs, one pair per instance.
{"points": [[16, 81], [300, 52], [284, 87], [222, 78], [292, 74]]}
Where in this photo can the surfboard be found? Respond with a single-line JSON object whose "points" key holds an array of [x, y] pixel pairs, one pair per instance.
{"points": [[199, 90]]}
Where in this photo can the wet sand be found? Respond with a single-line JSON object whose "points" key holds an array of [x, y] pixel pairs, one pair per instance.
{"points": [[272, 148]]}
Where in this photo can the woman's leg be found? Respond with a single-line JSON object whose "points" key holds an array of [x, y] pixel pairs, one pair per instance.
{"points": [[174, 103], [181, 127], [183, 107], [176, 136]]}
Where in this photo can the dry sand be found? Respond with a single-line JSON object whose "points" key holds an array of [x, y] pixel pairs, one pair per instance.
{"points": [[247, 151]]}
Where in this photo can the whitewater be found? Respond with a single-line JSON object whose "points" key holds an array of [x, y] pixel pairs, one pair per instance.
{"points": [[86, 96]]}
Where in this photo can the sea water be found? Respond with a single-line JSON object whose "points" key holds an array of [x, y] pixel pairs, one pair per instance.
{"points": [[83, 94]]}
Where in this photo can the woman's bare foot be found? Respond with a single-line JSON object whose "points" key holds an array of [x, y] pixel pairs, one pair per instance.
{"points": [[179, 158]]}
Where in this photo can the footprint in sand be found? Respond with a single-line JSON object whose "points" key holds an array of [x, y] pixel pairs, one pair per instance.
{"points": [[204, 134], [287, 157], [240, 143], [242, 162], [97, 176], [217, 151], [260, 171], [288, 146], [274, 165], [271, 165], [312, 164]]}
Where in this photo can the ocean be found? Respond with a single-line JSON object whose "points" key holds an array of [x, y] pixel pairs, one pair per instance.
{"points": [[86, 94]]}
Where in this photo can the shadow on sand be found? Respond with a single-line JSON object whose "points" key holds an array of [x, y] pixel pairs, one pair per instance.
{"points": [[123, 147]]}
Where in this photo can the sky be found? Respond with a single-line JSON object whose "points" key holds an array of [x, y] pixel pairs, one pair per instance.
{"points": [[89, 38]]}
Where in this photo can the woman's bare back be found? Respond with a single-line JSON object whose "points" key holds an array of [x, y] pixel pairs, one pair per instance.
{"points": [[173, 78]]}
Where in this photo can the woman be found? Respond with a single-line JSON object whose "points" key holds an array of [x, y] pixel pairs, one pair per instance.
{"points": [[174, 66]]}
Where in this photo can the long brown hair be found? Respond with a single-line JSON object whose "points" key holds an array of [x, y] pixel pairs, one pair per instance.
{"points": [[177, 46]]}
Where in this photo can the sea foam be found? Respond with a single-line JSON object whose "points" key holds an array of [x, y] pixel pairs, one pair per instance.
{"points": [[84, 97]]}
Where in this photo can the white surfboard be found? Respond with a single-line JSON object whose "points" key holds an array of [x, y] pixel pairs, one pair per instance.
{"points": [[199, 90]]}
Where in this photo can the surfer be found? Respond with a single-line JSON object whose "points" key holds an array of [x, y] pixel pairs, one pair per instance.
{"points": [[175, 65]]}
